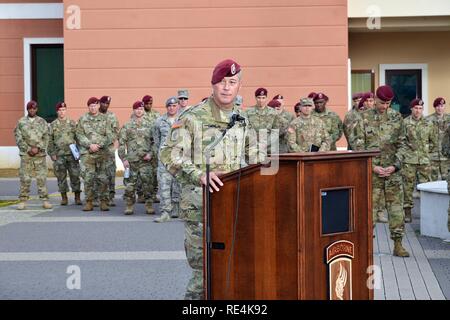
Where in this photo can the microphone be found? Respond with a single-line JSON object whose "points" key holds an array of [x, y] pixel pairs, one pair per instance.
{"points": [[235, 117]]}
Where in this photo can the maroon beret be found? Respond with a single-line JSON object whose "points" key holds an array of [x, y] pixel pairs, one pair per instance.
{"points": [[32, 104], [138, 104], [278, 96], [361, 102], [274, 103], [226, 68], [319, 96], [297, 106], [92, 100], [438, 101], [105, 99], [311, 95], [416, 102], [385, 93], [261, 92], [60, 105], [147, 99]]}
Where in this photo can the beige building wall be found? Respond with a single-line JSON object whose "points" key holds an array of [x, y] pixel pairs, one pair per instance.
{"points": [[137, 47], [369, 50]]}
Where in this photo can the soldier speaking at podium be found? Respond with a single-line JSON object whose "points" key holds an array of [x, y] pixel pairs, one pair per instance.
{"points": [[183, 154]]}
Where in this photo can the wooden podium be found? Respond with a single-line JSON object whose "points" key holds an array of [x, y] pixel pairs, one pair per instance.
{"points": [[302, 233]]}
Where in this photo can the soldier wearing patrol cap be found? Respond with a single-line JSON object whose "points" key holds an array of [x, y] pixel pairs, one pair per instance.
{"points": [[201, 123], [440, 120], [332, 122], [62, 135], [183, 99], [382, 128], [136, 150], [266, 124], [307, 132], [419, 133], [169, 188], [31, 135]]}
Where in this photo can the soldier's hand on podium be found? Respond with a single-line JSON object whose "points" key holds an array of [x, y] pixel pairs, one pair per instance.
{"points": [[214, 181]]}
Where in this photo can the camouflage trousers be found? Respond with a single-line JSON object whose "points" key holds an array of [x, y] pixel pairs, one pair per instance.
{"points": [[439, 169], [169, 190], [413, 173], [61, 166], [143, 171], [193, 245], [392, 189], [111, 172], [93, 171], [139, 191], [28, 165]]}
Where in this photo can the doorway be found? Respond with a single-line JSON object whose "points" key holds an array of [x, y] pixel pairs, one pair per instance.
{"points": [[44, 74], [408, 82]]}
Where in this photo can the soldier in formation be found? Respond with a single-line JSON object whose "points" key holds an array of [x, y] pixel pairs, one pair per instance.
{"points": [[32, 137], [62, 135]]}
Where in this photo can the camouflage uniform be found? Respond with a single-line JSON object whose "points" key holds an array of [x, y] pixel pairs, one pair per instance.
{"points": [[439, 163], [263, 121], [95, 130], [350, 121], [169, 188], [416, 158], [32, 132], [386, 133], [150, 118], [446, 153], [305, 131], [62, 134], [135, 142], [333, 124], [183, 154], [288, 118]]}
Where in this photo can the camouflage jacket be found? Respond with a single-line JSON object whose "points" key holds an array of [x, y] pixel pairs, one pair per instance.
{"points": [[115, 127], [32, 133], [288, 118], [151, 116], [350, 121], [418, 136], [183, 152], [94, 130], [384, 132], [161, 130], [304, 132], [62, 134], [333, 124], [136, 141], [446, 143], [440, 124]]}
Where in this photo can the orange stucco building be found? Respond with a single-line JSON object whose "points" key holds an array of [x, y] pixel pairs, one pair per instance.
{"points": [[137, 47]]}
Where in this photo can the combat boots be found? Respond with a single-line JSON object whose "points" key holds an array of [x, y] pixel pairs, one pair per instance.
{"points": [[381, 218], [89, 206], [22, 205], [408, 217], [64, 200], [129, 209], [149, 208], [104, 205], [164, 218], [46, 205], [77, 198], [399, 251]]}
